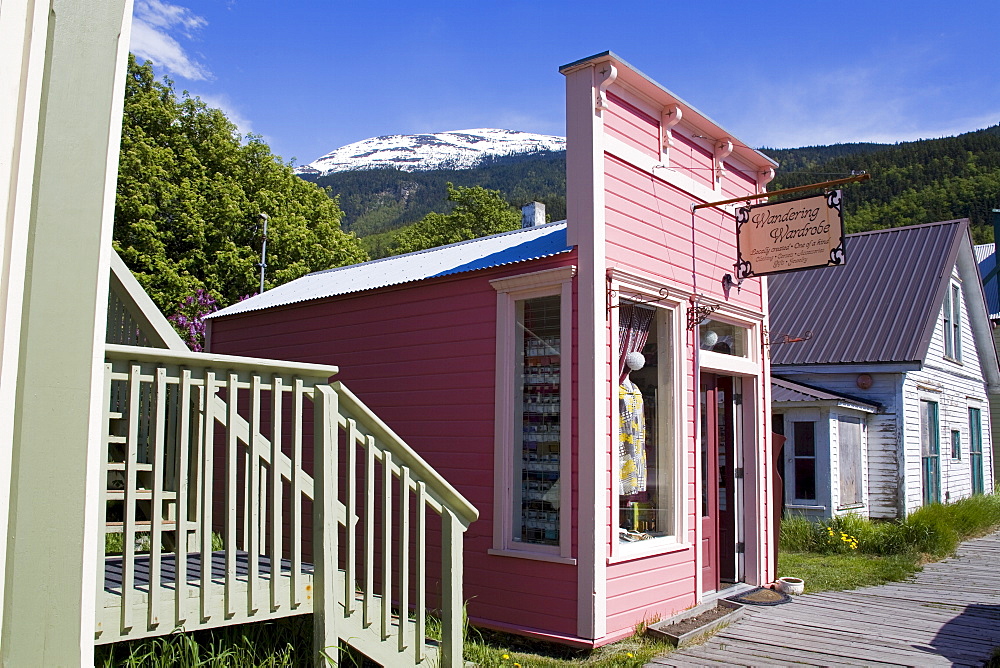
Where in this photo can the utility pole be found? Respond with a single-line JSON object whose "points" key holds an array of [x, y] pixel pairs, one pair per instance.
{"points": [[263, 253]]}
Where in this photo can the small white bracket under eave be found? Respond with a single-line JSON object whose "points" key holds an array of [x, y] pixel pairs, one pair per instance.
{"points": [[670, 117], [723, 148], [764, 177], [606, 73]]}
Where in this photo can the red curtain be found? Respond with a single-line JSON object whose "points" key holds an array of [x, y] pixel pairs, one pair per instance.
{"points": [[633, 330]]}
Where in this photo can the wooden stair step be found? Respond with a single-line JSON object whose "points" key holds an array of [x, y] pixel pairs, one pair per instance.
{"points": [[142, 494], [120, 466], [144, 525]]}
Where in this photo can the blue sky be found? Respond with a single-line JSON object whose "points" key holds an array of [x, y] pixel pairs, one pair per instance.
{"points": [[313, 75]]}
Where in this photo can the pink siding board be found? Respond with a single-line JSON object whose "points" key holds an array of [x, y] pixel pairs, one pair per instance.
{"points": [[633, 126], [664, 607], [743, 180], [687, 156], [422, 356], [649, 229], [560, 620]]}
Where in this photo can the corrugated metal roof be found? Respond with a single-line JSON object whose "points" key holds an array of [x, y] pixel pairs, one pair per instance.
{"points": [[880, 307], [986, 258], [493, 251], [787, 391]]}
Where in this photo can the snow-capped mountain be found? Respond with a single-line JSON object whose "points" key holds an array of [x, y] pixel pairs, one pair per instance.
{"points": [[460, 149]]}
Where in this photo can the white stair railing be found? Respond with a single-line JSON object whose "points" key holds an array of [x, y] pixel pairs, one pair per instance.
{"points": [[210, 449]]}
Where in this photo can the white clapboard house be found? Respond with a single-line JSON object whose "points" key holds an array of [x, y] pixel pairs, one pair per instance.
{"points": [[884, 400]]}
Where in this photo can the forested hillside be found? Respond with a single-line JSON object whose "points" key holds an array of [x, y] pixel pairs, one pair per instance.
{"points": [[380, 200], [912, 182]]}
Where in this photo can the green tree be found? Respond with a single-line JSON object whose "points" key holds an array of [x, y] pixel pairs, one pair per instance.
{"points": [[478, 212], [190, 194]]}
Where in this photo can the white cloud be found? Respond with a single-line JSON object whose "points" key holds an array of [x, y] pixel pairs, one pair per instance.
{"points": [[891, 98], [223, 103], [154, 27]]}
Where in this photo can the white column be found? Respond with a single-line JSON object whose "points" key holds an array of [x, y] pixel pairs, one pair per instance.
{"points": [[585, 229], [72, 58]]}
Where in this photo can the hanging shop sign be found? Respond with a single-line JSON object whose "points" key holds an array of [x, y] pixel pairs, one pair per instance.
{"points": [[802, 233]]}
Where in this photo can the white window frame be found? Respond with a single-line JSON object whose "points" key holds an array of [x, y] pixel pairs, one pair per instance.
{"points": [[821, 438], [545, 283], [669, 312], [733, 365], [815, 463], [952, 322]]}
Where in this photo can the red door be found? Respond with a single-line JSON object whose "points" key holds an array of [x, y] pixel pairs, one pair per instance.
{"points": [[718, 512]]}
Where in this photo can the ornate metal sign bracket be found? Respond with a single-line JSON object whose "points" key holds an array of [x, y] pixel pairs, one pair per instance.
{"points": [[783, 339], [697, 313], [614, 295]]}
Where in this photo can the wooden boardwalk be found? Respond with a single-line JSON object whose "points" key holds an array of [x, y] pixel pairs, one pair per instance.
{"points": [[949, 614]]}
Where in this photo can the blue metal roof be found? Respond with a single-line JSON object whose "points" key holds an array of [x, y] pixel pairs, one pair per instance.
{"points": [[492, 251], [986, 258]]}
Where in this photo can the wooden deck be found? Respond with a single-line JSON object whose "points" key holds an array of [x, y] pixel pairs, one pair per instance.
{"points": [[949, 614]]}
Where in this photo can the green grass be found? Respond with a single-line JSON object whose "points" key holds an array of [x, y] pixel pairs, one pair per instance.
{"points": [[491, 649], [850, 551], [286, 643], [835, 572]]}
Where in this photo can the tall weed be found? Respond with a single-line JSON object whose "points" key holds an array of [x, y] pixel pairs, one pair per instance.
{"points": [[934, 529]]}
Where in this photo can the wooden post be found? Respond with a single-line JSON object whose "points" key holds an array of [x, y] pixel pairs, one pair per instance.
{"points": [[420, 572], [325, 527], [58, 174], [386, 570], [452, 605], [183, 469], [275, 488]]}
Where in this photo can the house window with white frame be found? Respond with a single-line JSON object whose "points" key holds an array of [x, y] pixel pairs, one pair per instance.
{"points": [[804, 457], [952, 316], [538, 425], [646, 467], [930, 452], [533, 410]]}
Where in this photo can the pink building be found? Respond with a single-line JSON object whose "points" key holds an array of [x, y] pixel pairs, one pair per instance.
{"points": [[605, 499]]}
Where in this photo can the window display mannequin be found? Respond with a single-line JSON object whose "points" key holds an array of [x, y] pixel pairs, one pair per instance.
{"points": [[631, 431]]}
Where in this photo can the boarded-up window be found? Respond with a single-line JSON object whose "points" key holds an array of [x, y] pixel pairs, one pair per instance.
{"points": [[849, 431], [930, 452], [804, 437]]}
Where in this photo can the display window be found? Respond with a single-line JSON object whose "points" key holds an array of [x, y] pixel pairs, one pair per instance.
{"points": [[538, 399], [533, 416], [723, 337], [646, 470]]}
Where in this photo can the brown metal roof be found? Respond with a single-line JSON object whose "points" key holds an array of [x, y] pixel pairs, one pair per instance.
{"points": [[881, 306]]}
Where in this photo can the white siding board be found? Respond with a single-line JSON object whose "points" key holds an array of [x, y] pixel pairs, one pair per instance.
{"points": [[881, 454], [956, 386]]}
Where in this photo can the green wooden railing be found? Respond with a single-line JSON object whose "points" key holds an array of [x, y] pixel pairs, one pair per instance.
{"points": [[206, 481]]}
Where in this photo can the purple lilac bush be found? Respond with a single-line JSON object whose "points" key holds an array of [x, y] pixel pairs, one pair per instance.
{"points": [[189, 320]]}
